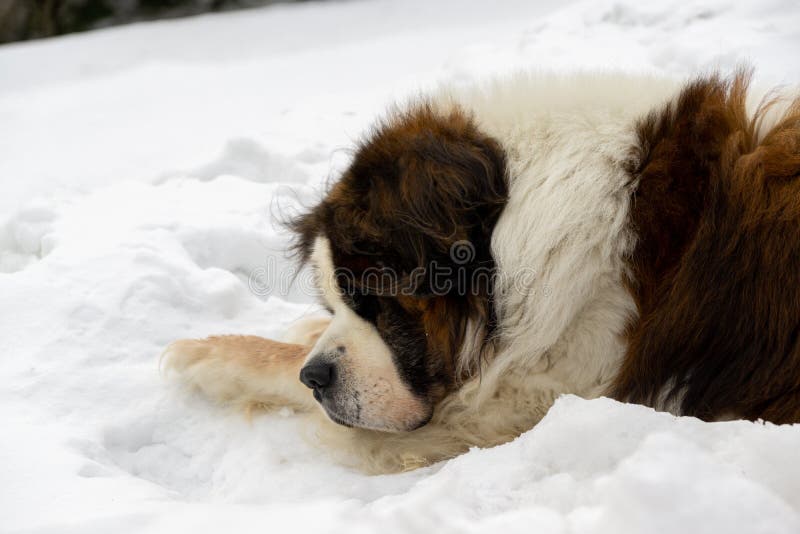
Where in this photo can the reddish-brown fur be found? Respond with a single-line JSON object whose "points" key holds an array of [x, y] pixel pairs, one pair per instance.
{"points": [[716, 271]]}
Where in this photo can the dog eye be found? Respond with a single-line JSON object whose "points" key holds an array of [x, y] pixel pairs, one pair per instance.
{"points": [[367, 248], [366, 306]]}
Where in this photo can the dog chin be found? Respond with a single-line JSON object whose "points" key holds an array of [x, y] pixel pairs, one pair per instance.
{"points": [[378, 426]]}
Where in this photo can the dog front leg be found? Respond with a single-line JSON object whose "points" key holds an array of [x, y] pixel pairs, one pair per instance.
{"points": [[245, 371]]}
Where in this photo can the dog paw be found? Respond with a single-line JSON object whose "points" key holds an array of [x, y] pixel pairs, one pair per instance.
{"points": [[182, 354], [241, 370], [197, 363]]}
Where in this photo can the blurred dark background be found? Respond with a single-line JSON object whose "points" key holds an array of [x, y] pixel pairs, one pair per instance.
{"points": [[32, 19]]}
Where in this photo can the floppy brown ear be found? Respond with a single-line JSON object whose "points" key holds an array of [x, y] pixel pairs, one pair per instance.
{"points": [[453, 183]]}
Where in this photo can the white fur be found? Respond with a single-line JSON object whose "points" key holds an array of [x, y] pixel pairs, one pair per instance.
{"points": [[369, 381], [559, 247], [560, 242]]}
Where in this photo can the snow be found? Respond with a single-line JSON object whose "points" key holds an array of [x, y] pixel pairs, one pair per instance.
{"points": [[142, 172]]}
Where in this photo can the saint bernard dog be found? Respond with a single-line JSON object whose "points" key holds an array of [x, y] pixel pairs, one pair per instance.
{"points": [[492, 247]]}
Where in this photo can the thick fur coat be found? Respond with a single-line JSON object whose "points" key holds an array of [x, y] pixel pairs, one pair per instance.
{"points": [[641, 239]]}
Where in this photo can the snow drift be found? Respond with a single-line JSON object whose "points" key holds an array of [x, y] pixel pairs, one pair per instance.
{"points": [[141, 171]]}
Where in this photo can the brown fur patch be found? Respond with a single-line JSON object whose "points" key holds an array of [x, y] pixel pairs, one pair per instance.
{"points": [[716, 271], [441, 319]]}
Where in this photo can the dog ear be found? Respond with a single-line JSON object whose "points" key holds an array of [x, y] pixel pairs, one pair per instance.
{"points": [[453, 184]]}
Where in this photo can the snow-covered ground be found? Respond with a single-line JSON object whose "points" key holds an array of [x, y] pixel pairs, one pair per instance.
{"points": [[141, 170]]}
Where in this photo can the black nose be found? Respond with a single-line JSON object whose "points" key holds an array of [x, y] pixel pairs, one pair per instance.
{"points": [[317, 375]]}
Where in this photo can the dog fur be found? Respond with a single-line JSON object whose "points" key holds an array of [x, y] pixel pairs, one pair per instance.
{"points": [[645, 238]]}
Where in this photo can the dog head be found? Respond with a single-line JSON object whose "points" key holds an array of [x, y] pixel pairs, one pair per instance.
{"points": [[400, 246]]}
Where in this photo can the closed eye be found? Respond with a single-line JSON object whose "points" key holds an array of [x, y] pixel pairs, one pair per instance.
{"points": [[366, 306]]}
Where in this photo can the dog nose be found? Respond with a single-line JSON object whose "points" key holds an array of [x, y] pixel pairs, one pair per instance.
{"points": [[317, 375]]}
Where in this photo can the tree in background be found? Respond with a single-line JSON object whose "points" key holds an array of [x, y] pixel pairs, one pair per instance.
{"points": [[32, 19]]}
